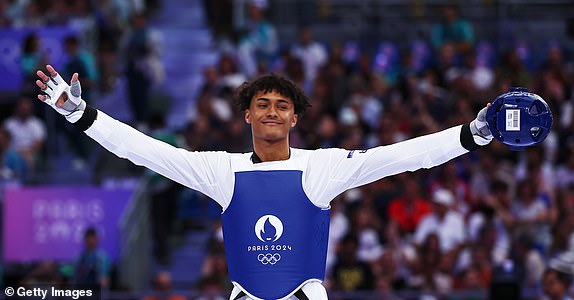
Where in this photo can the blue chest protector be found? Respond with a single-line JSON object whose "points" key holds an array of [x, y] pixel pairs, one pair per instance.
{"points": [[275, 238]]}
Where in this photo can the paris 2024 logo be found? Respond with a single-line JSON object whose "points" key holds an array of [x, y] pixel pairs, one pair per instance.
{"points": [[269, 230]]}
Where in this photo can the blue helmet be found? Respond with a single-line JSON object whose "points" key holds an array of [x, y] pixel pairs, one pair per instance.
{"points": [[519, 119]]}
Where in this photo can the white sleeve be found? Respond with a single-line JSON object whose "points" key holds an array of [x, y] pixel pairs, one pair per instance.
{"points": [[333, 171], [207, 172]]}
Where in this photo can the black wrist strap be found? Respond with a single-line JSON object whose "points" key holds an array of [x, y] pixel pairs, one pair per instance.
{"points": [[466, 139], [87, 118]]}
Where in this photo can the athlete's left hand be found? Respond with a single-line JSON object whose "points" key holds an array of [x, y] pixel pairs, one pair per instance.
{"points": [[63, 98], [479, 128]]}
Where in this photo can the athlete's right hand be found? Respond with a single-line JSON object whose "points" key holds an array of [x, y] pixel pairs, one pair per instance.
{"points": [[479, 128], [59, 95]]}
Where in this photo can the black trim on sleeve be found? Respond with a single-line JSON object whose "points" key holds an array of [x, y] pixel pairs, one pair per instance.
{"points": [[241, 294], [87, 119], [301, 295], [466, 139]]}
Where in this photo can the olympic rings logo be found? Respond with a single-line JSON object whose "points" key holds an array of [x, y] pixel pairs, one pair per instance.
{"points": [[269, 258]]}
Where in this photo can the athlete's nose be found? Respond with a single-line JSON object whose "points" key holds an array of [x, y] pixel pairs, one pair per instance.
{"points": [[272, 112]]}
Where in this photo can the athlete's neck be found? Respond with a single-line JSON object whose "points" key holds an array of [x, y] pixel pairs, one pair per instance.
{"points": [[272, 151]]}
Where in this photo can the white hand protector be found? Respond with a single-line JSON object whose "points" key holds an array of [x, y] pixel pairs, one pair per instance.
{"points": [[73, 107], [479, 129]]}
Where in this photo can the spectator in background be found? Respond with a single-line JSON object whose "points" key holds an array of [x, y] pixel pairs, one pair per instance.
{"points": [[310, 52], [389, 267], [531, 213], [563, 227], [410, 208], [211, 289], [444, 71], [563, 234], [565, 172], [58, 13], [402, 253], [92, 267], [220, 17], [446, 223], [81, 62], [4, 13], [479, 256], [162, 288], [320, 129], [453, 28], [443, 279], [333, 79], [553, 83], [338, 228], [83, 20], [228, 72], [484, 172], [31, 16], [365, 81], [476, 77], [512, 71], [163, 195], [215, 268], [449, 178], [528, 261], [211, 80], [12, 165], [112, 17], [470, 283], [43, 273], [500, 201], [143, 68], [486, 227], [535, 166], [558, 277], [259, 41], [366, 226], [555, 285], [349, 273], [30, 61], [215, 112], [293, 68], [28, 133], [426, 264]]}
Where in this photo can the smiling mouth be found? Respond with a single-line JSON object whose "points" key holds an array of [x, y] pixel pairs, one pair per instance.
{"points": [[271, 123]]}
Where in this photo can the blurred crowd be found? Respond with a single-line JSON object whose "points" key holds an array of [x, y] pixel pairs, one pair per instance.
{"points": [[105, 40], [491, 216], [461, 226]]}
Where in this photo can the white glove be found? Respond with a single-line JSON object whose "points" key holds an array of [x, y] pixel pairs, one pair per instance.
{"points": [[479, 128], [55, 88]]}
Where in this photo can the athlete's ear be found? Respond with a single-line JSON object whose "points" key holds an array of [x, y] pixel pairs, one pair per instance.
{"points": [[247, 116], [294, 120]]}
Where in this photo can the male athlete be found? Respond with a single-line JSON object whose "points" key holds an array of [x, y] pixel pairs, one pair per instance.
{"points": [[276, 199]]}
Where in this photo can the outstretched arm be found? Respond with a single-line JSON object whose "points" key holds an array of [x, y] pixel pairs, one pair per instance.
{"points": [[202, 171], [332, 171]]}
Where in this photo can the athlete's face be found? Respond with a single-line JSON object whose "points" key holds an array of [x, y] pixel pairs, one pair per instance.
{"points": [[271, 116]]}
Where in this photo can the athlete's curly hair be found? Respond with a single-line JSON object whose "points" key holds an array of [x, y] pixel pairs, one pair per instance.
{"points": [[267, 83]]}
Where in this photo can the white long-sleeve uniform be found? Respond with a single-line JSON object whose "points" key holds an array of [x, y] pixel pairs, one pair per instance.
{"points": [[326, 173]]}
